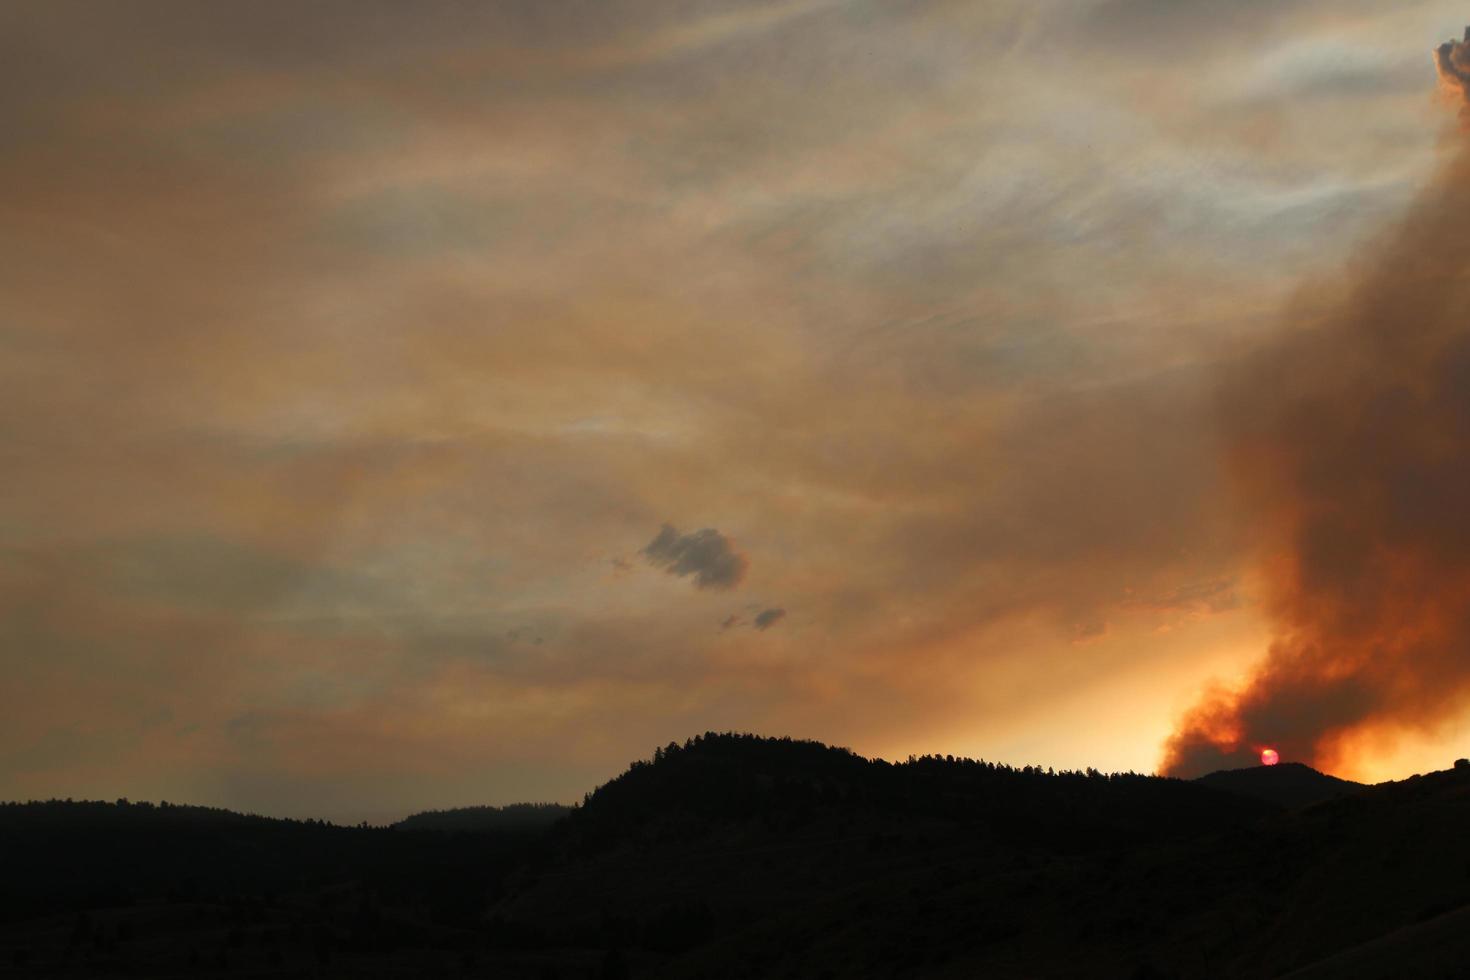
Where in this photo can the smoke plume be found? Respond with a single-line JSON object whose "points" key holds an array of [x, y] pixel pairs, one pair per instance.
{"points": [[1351, 442], [1452, 58]]}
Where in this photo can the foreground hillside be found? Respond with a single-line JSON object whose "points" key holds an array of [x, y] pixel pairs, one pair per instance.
{"points": [[734, 856]]}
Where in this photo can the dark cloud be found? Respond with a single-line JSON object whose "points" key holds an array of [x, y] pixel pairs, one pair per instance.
{"points": [[768, 618], [707, 555]]}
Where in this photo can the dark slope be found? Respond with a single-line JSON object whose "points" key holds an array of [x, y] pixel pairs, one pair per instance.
{"points": [[516, 818], [1435, 949], [93, 889], [57, 854], [1289, 784]]}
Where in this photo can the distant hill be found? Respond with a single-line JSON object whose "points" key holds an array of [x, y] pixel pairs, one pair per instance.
{"points": [[487, 819], [1290, 784], [58, 854], [717, 782]]}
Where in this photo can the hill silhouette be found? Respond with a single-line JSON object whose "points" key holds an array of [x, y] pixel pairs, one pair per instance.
{"points": [[736, 856], [1290, 784], [516, 818], [715, 783]]}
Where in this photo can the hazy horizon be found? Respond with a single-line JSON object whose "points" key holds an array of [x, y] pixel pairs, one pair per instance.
{"points": [[386, 817]]}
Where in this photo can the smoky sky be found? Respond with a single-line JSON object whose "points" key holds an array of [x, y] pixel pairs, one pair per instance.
{"points": [[1350, 440], [344, 345]]}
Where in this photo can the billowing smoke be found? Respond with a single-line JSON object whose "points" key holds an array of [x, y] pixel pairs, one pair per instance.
{"points": [[1452, 58], [1351, 440]]}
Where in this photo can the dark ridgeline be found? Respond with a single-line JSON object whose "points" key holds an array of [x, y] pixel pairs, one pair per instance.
{"points": [[735, 856], [1290, 784], [516, 818]]}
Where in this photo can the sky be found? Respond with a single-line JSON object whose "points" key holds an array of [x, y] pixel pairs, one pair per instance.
{"points": [[409, 406]]}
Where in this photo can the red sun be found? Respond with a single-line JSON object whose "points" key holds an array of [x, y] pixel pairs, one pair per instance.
{"points": [[1269, 757]]}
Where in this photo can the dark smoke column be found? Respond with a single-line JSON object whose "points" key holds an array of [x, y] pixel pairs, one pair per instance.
{"points": [[1452, 58], [1350, 441]]}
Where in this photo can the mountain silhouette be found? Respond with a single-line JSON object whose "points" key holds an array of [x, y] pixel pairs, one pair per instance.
{"points": [[1290, 784], [731, 856], [518, 817]]}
